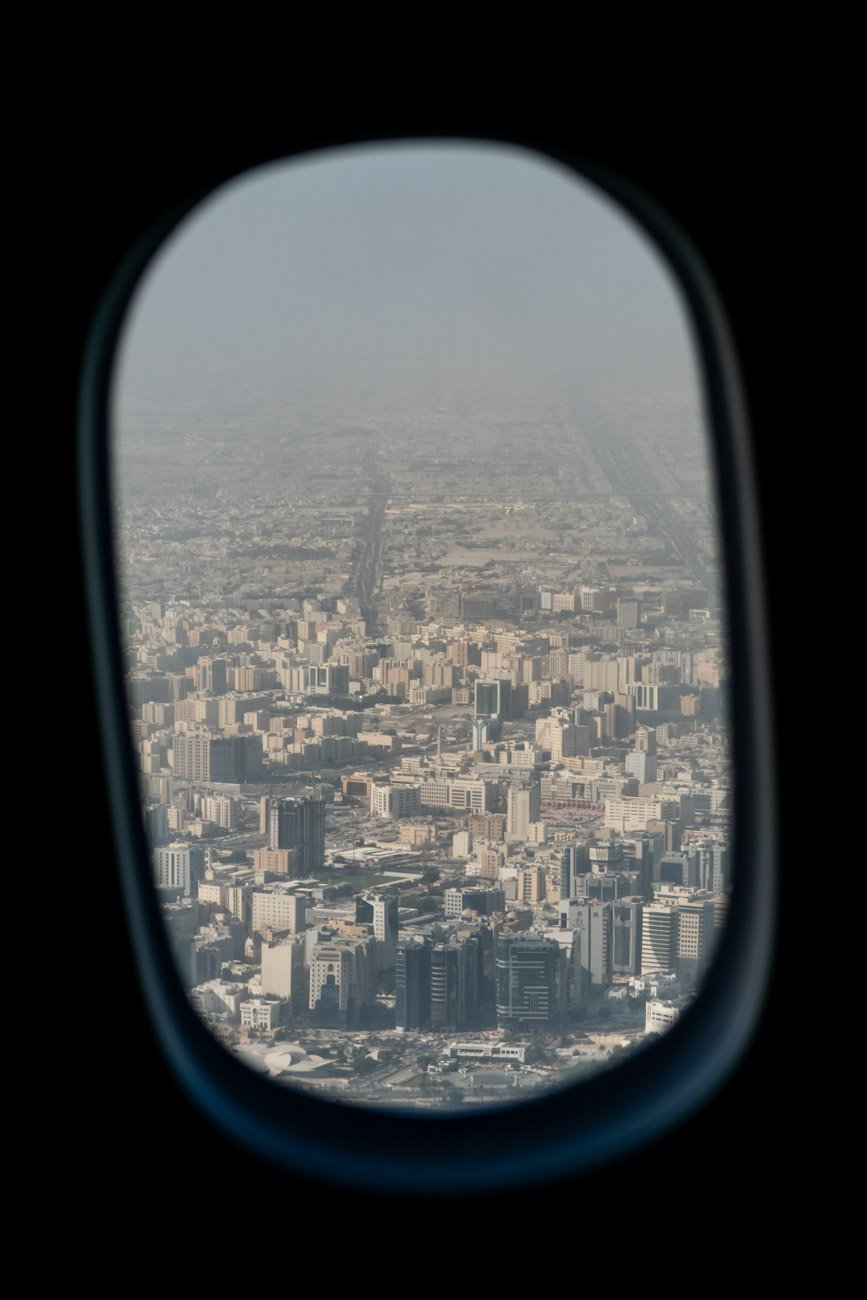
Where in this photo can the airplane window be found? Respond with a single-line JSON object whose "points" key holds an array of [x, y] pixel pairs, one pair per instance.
{"points": [[425, 625]]}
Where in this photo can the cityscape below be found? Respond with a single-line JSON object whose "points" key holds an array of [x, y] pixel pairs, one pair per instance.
{"points": [[434, 753], [422, 602]]}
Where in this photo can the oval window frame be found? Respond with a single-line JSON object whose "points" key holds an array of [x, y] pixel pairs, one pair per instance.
{"points": [[560, 1132]]}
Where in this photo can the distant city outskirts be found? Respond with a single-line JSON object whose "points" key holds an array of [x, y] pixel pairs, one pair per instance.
{"points": [[430, 711]]}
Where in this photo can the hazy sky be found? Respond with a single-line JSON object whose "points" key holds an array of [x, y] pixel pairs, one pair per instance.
{"points": [[410, 256]]}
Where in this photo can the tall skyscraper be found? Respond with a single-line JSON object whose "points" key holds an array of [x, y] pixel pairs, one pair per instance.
{"points": [[456, 973], [157, 823], [445, 1001], [659, 925], [573, 861], [642, 853], [494, 699], [412, 984], [626, 936], [527, 982], [300, 824], [712, 871], [523, 805], [380, 911], [596, 945]]}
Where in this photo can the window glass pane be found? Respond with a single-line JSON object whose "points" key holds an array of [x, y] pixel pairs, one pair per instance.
{"points": [[423, 613]]}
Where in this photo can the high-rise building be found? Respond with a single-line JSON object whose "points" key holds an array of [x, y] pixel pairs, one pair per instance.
{"points": [[595, 599], [277, 908], [465, 793], [626, 936], [439, 605], [712, 870], [487, 826], [205, 758], [219, 810], [527, 982], [342, 983], [659, 926], [282, 862], [642, 853], [620, 716], [157, 823], [484, 731], [179, 866], [645, 740], [606, 886], [494, 699], [654, 699], [388, 800], [246, 678], [628, 612], [642, 766], [484, 900], [300, 824], [573, 861], [380, 911], [456, 972], [531, 884], [471, 971], [412, 984], [676, 869], [283, 969], [564, 739], [327, 679], [212, 676], [569, 913], [660, 1016], [523, 805], [445, 999], [632, 813], [605, 856], [696, 933], [596, 945], [478, 605]]}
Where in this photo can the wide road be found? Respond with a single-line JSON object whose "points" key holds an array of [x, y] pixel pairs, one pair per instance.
{"points": [[367, 566], [631, 475]]}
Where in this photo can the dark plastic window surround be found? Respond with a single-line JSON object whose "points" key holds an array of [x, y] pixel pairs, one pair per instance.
{"points": [[553, 1134]]}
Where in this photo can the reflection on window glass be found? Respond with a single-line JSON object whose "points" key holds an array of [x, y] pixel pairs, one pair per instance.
{"points": [[421, 597]]}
